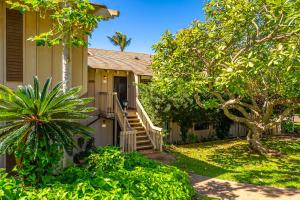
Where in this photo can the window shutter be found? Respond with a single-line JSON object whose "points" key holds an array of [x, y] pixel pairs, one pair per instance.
{"points": [[14, 46]]}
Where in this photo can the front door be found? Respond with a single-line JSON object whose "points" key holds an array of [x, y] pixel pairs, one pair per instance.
{"points": [[120, 86]]}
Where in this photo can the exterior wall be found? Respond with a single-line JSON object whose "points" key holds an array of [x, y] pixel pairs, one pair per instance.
{"points": [[42, 61], [132, 90], [103, 81], [2, 41], [2, 161], [103, 135], [174, 136], [236, 130]]}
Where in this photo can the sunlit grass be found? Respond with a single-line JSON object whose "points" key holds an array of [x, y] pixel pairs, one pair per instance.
{"points": [[297, 126], [231, 160]]}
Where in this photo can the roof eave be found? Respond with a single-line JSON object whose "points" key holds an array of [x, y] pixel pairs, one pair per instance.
{"points": [[103, 11]]}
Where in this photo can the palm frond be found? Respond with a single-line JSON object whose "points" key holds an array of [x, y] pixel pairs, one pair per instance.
{"points": [[119, 39]]}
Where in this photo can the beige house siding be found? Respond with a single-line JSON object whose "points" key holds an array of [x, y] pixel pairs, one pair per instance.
{"points": [[2, 41], [41, 61], [102, 81], [103, 135]]}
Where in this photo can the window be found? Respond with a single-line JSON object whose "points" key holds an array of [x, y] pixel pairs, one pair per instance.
{"points": [[201, 126], [14, 45]]}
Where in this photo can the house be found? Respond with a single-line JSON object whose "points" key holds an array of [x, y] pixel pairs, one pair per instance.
{"points": [[120, 118], [21, 59]]}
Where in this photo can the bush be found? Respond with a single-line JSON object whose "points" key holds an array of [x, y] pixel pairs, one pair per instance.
{"points": [[9, 187], [288, 126], [110, 174]]}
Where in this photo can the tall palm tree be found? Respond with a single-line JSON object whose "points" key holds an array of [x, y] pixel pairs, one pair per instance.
{"points": [[120, 40], [33, 116]]}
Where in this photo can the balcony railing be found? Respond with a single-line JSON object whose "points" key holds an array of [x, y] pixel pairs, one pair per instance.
{"points": [[110, 107], [106, 104]]}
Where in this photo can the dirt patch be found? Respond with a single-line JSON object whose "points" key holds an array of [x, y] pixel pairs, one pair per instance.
{"points": [[292, 137], [159, 156]]}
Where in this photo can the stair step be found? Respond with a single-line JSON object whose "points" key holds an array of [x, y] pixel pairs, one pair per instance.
{"points": [[141, 137], [143, 132], [144, 147], [147, 141], [132, 117], [133, 120], [136, 124]]}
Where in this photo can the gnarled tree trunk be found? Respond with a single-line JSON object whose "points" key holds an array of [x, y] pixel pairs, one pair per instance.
{"points": [[254, 141]]}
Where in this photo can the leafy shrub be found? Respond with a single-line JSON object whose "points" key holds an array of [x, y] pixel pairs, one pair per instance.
{"points": [[38, 123], [192, 138], [110, 175], [106, 159], [39, 168], [288, 126], [9, 187], [134, 159]]}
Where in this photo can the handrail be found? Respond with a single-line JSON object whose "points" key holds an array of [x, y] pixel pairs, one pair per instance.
{"points": [[127, 135], [146, 116], [120, 114], [154, 132]]}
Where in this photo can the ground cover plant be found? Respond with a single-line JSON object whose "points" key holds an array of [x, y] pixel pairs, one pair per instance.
{"points": [[230, 160], [108, 174]]}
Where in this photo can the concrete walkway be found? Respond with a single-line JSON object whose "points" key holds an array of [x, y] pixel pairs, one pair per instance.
{"points": [[238, 191]]}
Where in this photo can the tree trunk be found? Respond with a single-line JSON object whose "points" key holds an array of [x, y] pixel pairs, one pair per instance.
{"points": [[67, 82], [255, 145], [66, 65]]}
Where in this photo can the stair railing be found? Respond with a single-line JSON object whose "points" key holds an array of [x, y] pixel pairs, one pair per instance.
{"points": [[127, 135], [154, 132]]}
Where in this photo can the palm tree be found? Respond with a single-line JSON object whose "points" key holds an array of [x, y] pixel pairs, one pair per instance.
{"points": [[119, 39], [33, 116]]}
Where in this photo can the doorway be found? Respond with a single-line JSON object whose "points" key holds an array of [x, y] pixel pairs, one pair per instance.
{"points": [[120, 86]]}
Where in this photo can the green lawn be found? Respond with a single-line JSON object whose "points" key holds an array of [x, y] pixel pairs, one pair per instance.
{"points": [[230, 160], [297, 126]]}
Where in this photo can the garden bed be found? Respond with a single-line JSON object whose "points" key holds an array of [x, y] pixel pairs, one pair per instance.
{"points": [[108, 174]]}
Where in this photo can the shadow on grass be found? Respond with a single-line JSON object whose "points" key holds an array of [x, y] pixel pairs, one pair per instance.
{"points": [[261, 170], [231, 160], [191, 165], [231, 191]]}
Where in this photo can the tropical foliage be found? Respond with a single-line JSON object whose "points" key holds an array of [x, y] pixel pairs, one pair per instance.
{"points": [[39, 123], [72, 20], [133, 177], [244, 58], [164, 103], [120, 40]]}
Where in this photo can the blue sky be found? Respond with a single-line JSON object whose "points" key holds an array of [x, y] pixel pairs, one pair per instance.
{"points": [[145, 21]]}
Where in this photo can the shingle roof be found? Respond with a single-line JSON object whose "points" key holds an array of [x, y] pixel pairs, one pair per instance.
{"points": [[138, 63]]}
